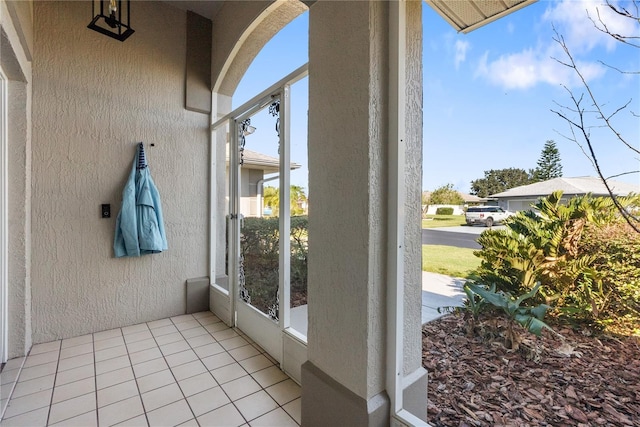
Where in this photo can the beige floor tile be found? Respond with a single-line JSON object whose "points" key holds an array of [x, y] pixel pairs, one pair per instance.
{"points": [[277, 417], [139, 421], [149, 367], [134, 329], [170, 415], [145, 355], [10, 377], [244, 352], [138, 346], [110, 353], [45, 347], [169, 338], [202, 314], [269, 376], [174, 347], [114, 377], [216, 327], [103, 335], [15, 363], [108, 343], [188, 370], [217, 360], [76, 350], [90, 419], [226, 416], [164, 330], [200, 340], [153, 381], [138, 336], [116, 393], [194, 332], [189, 324], [255, 363], [112, 364], [196, 384], [182, 318], [232, 343], [42, 358], [74, 389], [224, 334], [162, 396], [205, 321], [72, 407], [284, 392], [120, 411], [75, 341], [21, 405], [208, 350], [75, 374], [241, 387], [181, 358], [255, 405], [36, 418], [76, 361], [159, 323], [228, 373], [294, 409], [191, 423], [207, 400], [29, 373]]}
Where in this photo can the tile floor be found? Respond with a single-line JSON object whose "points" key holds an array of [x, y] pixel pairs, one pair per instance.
{"points": [[189, 370]]}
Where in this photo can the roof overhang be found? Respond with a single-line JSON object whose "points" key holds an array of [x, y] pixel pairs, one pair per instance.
{"points": [[467, 15]]}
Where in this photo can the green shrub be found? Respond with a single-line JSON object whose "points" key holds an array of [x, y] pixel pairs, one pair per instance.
{"points": [[444, 211], [259, 248]]}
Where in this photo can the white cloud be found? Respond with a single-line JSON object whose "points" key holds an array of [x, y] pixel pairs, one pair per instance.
{"points": [[574, 20], [535, 65], [461, 48]]}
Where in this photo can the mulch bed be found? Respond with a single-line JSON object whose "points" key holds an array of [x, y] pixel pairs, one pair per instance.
{"points": [[580, 380]]}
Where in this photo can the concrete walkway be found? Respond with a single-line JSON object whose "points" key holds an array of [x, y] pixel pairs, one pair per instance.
{"points": [[439, 290]]}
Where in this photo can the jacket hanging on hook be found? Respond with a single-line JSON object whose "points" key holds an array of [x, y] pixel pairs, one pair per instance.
{"points": [[139, 226]]}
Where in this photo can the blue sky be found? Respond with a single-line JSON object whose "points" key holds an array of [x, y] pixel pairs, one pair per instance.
{"points": [[488, 95]]}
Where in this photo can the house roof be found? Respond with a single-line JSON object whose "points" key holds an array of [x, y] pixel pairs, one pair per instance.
{"points": [[467, 15], [255, 160], [569, 186]]}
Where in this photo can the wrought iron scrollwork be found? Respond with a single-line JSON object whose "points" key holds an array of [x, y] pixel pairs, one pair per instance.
{"points": [[274, 310], [274, 110], [244, 293], [244, 125]]}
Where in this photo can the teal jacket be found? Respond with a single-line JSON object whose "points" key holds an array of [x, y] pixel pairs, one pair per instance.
{"points": [[139, 226]]}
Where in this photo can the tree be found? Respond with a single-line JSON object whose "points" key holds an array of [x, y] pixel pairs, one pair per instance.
{"points": [[445, 195], [499, 180], [598, 114], [549, 164], [298, 200]]}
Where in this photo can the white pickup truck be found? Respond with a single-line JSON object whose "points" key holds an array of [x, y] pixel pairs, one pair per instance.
{"points": [[486, 215]]}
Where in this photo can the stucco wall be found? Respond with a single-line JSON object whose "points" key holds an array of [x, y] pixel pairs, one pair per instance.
{"points": [[94, 99], [346, 178]]}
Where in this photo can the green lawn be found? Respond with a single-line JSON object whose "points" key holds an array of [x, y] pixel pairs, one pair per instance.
{"points": [[456, 262], [435, 221]]}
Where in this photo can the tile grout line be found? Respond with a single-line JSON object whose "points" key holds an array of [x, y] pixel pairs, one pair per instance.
{"points": [[53, 387]]}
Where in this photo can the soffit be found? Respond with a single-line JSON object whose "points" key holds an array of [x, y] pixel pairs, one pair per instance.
{"points": [[467, 15]]}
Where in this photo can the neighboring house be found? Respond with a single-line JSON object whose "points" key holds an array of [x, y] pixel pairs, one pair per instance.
{"points": [[469, 200], [521, 198], [74, 104], [256, 169]]}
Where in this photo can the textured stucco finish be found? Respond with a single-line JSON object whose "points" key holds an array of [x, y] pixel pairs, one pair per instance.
{"points": [[94, 99], [347, 133], [240, 31]]}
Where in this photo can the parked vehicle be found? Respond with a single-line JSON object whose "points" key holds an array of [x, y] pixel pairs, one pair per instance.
{"points": [[486, 215]]}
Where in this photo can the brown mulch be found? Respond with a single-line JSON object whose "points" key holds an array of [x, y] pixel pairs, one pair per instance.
{"points": [[580, 380]]}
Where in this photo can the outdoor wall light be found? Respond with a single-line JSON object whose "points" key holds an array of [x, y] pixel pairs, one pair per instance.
{"points": [[112, 18]]}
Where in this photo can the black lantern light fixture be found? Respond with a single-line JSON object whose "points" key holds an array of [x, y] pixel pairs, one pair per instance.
{"points": [[112, 18]]}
